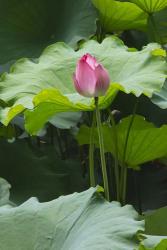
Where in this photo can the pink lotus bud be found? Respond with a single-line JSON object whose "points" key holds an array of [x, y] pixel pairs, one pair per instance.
{"points": [[91, 79]]}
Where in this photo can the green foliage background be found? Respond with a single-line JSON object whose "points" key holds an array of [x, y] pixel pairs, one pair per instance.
{"points": [[40, 43]]}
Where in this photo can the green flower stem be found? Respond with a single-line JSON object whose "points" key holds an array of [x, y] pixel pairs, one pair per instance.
{"points": [[91, 153], [124, 169], [102, 155], [116, 165], [100, 32], [124, 184]]}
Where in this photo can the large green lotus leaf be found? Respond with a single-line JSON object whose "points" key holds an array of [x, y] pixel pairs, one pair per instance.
{"points": [[51, 76], [118, 16], [28, 26], [50, 102], [83, 221], [146, 142], [150, 6]]}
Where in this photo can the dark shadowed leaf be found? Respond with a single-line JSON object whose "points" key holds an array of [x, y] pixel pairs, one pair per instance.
{"points": [[157, 27], [38, 172], [27, 27]]}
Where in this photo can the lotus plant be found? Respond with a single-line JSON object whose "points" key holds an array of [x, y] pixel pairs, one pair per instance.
{"points": [[91, 79]]}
